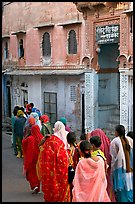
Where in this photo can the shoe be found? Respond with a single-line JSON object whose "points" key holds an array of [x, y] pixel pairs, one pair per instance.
{"points": [[19, 154], [35, 190]]}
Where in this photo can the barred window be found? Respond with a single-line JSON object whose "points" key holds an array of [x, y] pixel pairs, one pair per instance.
{"points": [[46, 45], [6, 50], [73, 93], [72, 42], [21, 49]]}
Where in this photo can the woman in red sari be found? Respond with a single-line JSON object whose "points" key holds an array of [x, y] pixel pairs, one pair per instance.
{"points": [[52, 166], [31, 152], [105, 147]]}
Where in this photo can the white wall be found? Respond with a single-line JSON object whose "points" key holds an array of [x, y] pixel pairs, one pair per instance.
{"points": [[61, 86], [34, 91]]}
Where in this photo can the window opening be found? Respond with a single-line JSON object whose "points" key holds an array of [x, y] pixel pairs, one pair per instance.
{"points": [[24, 93], [72, 43], [73, 93], [50, 106], [131, 23], [6, 51], [21, 49], [46, 45]]}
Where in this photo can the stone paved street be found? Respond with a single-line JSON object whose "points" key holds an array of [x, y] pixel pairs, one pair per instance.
{"points": [[15, 187]]}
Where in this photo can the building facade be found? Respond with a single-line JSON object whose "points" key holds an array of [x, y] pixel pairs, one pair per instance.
{"points": [[109, 40], [56, 55]]}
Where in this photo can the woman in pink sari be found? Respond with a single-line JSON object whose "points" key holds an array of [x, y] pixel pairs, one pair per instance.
{"points": [[105, 147], [89, 184]]}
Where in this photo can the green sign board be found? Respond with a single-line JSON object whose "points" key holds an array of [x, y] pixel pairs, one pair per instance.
{"points": [[108, 34]]}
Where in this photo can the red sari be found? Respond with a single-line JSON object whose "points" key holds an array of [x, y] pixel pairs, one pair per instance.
{"points": [[30, 153], [52, 168]]}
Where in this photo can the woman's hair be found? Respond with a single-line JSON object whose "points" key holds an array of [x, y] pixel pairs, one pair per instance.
{"points": [[120, 129], [21, 108], [96, 140], [83, 136], [71, 138], [130, 134], [32, 105], [16, 108], [85, 148]]}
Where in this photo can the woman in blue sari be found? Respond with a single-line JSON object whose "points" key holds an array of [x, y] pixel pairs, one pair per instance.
{"points": [[121, 150]]}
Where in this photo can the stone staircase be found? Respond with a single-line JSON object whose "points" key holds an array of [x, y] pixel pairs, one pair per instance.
{"points": [[111, 124]]}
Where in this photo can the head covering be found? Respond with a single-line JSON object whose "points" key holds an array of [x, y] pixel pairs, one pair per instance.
{"points": [[31, 120], [44, 118], [28, 108], [35, 115], [60, 132], [20, 113], [63, 120], [35, 132], [105, 146], [38, 122], [37, 111]]}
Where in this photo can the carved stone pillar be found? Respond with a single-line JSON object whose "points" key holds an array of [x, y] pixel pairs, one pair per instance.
{"points": [[90, 100], [124, 113], [124, 35], [86, 37]]}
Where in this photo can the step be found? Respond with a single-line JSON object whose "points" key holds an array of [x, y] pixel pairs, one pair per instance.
{"points": [[114, 119], [111, 126]]}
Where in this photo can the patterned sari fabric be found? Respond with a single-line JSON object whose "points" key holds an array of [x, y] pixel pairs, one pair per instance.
{"points": [[52, 169], [105, 148], [31, 152], [122, 169], [90, 181]]}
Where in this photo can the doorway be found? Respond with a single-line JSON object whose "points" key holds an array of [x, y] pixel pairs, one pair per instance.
{"points": [[8, 96], [109, 85]]}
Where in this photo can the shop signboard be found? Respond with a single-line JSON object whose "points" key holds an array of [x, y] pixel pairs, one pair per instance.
{"points": [[108, 34]]}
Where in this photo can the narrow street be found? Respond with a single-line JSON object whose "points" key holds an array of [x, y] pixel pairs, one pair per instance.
{"points": [[15, 187]]}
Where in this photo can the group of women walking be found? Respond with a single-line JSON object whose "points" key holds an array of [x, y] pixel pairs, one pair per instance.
{"points": [[102, 170]]}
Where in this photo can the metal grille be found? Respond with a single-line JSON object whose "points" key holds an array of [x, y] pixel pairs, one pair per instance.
{"points": [[72, 42], [73, 93], [21, 49], [46, 45], [50, 106]]}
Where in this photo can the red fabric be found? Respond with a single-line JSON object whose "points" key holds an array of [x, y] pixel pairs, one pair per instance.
{"points": [[30, 153], [28, 108], [31, 176], [31, 120], [35, 132], [53, 169], [44, 118], [105, 147], [105, 143]]}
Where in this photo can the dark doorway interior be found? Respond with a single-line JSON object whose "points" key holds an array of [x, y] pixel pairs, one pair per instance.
{"points": [[107, 58], [8, 100]]}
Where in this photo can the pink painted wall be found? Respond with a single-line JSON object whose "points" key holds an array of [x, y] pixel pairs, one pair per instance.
{"points": [[32, 47], [25, 15]]}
